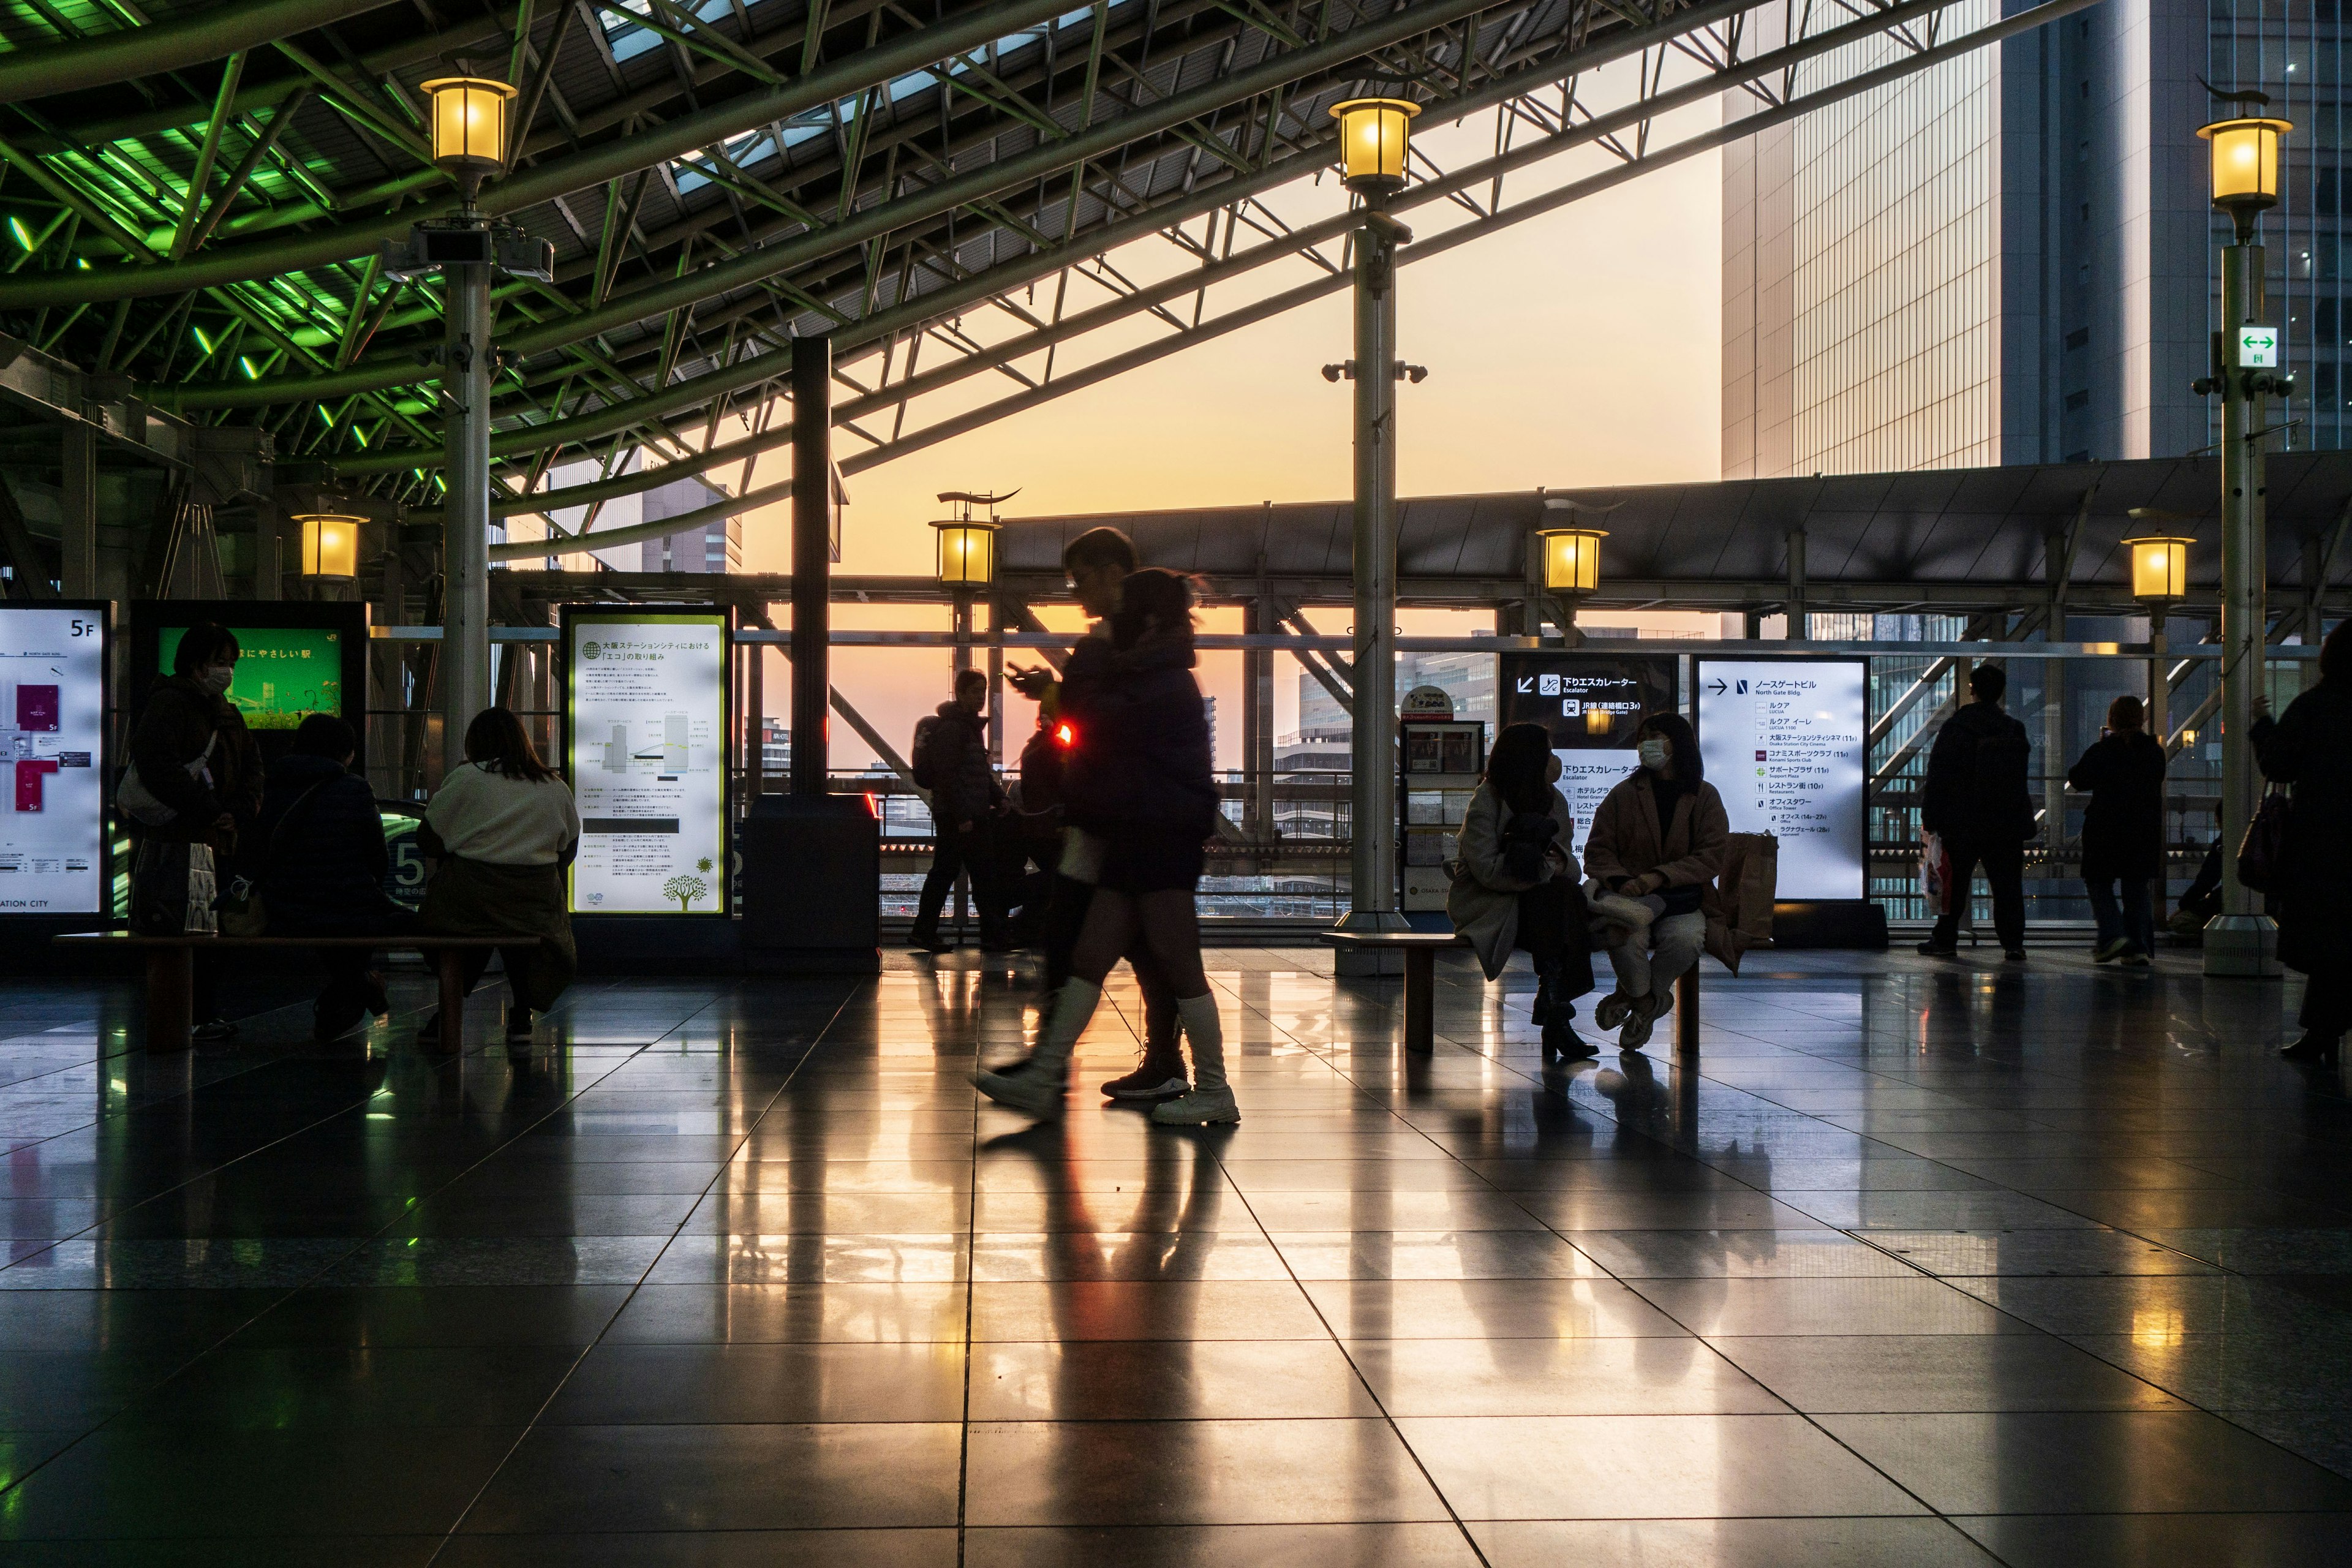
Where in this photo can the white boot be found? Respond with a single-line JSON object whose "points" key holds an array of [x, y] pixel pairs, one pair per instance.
{"points": [[1212, 1098], [1039, 1085]]}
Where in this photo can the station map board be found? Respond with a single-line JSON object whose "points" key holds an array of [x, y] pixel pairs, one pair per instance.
{"points": [[1786, 745], [645, 715], [52, 733], [1592, 703]]}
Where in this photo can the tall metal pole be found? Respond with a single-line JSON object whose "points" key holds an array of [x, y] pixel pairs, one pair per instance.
{"points": [[466, 519], [2240, 941], [811, 383], [1372, 833]]}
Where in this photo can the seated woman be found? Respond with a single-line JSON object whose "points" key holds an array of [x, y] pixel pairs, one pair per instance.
{"points": [[501, 829], [1662, 832], [1514, 885], [317, 857]]}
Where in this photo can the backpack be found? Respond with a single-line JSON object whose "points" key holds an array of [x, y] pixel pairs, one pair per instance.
{"points": [[926, 776]]}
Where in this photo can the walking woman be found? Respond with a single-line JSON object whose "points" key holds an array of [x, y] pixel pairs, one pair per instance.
{"points": [[1138, 794], [501, 830], [1663, 834], [2122, 831], [2310, 748], [1515, 886]]}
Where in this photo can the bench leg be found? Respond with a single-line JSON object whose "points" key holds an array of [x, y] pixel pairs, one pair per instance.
{"points": [[171, 997], [449, 964], [1420, 981], [1687, 1015]]}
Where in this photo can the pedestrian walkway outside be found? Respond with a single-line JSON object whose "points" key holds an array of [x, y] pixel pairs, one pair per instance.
{"points": [[1929, 1264]]}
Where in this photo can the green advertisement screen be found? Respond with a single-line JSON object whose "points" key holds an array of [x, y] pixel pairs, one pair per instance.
{"points": [[285, 674]]}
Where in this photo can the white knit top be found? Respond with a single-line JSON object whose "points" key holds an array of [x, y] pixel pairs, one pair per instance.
{"points": [[484, 816]]}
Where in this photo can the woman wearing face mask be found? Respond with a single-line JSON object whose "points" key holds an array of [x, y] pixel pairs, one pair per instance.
{"points": [[194, 756], [1659, 834], [1515, 886]]}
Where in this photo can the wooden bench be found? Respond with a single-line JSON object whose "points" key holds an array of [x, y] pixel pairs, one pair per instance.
{"points": [[1420, 949], [170, 969]]}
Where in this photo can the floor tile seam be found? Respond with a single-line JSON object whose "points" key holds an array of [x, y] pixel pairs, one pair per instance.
{"points": [[1428, 1480], [2227, 1415], [458, 1523], [971, 1273]]}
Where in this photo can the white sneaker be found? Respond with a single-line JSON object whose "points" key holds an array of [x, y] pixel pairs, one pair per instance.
{"points": [[1025, 1086], [1611, 1011], [1201, 1105], [1638, 1019]]}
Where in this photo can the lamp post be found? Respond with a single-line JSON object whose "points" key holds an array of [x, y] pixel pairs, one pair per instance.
{"points": [[967, 561], [470, 137], [1571, 570], [1373, 136], [2159, 579], [2242, 939], [331, 543]]}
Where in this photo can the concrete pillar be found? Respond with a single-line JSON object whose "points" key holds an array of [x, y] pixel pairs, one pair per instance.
{"points": [[77, 495]]}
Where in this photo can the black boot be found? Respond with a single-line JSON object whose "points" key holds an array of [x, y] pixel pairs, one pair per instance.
{"points": [[2314, 1047], [1540, 1014]]}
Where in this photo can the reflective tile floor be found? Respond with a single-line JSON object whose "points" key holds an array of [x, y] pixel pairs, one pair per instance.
{"points": [[1923, 1266]]}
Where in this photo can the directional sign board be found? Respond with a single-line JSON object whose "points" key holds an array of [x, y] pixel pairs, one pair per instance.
{"points": [[53, 727], [1592, 703], [2257, 346], [1786, 743]]}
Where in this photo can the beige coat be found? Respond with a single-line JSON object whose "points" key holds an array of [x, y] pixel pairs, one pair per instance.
{"points": [[1626, 840], [1484, 900]]}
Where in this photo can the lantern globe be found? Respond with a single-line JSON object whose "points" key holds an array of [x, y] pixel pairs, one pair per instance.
{"points": [[469, 124], [1374, 133], [1571, 559], [2245, 161], [967, 553], [2159, 568], [331, 543]]}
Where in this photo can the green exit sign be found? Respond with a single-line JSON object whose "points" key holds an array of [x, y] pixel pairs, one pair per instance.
{"points": [[2257, 346]]}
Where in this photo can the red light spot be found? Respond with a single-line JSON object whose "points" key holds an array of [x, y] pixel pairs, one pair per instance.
{"points": [[869, 806], [1064, 735]]}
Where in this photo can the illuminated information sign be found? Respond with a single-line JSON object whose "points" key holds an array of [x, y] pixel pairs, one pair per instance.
{"points": [[645, 749], [52, 719], [1785, 742], [1591, 704]]}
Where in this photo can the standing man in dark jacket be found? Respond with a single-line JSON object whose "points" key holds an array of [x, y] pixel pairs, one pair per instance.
{"points": [[967, 800], [317, 856], [1976, 798], [2310, 748], [2122, 831]]}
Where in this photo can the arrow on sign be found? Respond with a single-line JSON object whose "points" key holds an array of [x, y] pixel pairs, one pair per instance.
{"points": [[1719, 688]]}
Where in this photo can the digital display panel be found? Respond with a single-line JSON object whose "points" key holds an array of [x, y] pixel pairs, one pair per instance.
{"points": [[52, 728], [645, 727], [1591, 704], [1785, 742], [284, 674]]}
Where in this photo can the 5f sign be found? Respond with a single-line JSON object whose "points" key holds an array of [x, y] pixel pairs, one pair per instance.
{"points": [[2257, 347]]}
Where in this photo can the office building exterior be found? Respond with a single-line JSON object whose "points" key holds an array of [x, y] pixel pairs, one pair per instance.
{"points": [[2009, 259]]}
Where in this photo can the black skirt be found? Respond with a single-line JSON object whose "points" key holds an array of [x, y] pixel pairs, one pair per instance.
{"points": [[1145, 860]]}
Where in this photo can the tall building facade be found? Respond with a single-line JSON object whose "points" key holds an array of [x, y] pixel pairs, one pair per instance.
{"points": [[2010, 257]]}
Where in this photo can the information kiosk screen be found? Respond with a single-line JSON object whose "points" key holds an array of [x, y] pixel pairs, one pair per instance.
{"points": [[1786, 745], [644, 739], [52, 727]]}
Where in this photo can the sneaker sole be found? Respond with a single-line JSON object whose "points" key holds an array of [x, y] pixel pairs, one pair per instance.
{"points": [[1168, 1088], [1013, 1094], [1196, 1120]]}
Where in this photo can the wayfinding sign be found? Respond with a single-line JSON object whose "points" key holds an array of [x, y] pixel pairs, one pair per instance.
{"points": [[1786, 745], [52, 737], [1592, 703], [645, 742], [2257, 346]]}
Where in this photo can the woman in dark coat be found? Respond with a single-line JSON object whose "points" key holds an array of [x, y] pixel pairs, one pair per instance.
{"points": [[2310, 748], [1137, 791], [2122, 831]]}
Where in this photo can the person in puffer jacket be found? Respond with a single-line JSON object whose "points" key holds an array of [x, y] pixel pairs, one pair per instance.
{"points": [[1139, 793]]}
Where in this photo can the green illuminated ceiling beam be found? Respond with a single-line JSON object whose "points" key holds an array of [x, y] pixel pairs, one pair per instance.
{"points": [[911, 51], [112, 57]]}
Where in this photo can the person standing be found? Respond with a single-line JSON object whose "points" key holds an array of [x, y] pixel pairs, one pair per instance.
{"points": [[2309, 748], [966, 799], [1139, 794], [1659, 834], [1976, 799], [501, 830], [1097, 563], [318, 857], [2122, 831], [1517, 887], [193, 786]]}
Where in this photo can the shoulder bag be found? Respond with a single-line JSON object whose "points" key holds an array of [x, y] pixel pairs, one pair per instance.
{"points": [[2262, 858]]}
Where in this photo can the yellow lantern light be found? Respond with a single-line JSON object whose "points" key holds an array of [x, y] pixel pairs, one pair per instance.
{"points": [[1598, 721], [967, 553], [469, 124], [2245, 160], [1571, 559], [330, 545], [2159, 568], [1373, 134]]}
